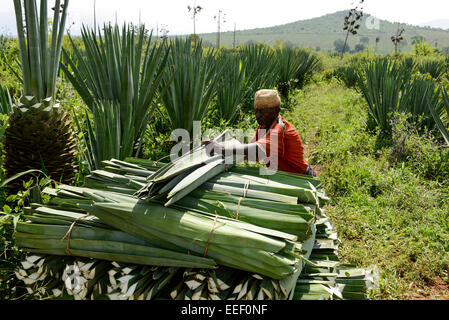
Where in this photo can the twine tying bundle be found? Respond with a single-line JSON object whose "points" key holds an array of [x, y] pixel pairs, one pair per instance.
{"points": [[69, 232], [210, 234], [245, 190]]}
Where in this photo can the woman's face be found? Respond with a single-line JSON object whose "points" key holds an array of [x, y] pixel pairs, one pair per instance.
{"points": [[266, 117]]}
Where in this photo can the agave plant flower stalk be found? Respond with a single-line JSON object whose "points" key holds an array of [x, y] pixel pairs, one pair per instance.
{"points": [[352, 23]]}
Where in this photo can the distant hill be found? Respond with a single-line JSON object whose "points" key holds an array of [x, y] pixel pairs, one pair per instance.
{"points": [[323, 31]]}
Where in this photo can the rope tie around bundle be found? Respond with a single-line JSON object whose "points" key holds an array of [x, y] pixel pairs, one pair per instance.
{"points": [[245, 190], [210, 234], [69, 232]]}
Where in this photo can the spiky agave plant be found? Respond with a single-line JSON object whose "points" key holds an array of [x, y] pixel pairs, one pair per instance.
{"points": [[189, 83], [117, 76], [347, 75], [438, 120], [435, 68], [5, 110], [5, 101], [39, 135], [418, 97], [309, 63], [259, 65], [287, 66], [232, 90], [382, 87]]}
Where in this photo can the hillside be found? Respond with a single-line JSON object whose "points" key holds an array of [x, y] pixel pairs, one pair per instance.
{"points": [[323, 31]]}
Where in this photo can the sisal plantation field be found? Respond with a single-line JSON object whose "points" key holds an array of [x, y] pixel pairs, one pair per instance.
{"points": [[93, 207]]}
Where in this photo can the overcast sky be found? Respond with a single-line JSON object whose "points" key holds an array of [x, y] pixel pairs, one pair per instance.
{"points": [[247, 14]]}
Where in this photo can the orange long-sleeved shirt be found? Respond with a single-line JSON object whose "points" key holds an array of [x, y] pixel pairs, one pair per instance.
{"points": [[290, 152]]}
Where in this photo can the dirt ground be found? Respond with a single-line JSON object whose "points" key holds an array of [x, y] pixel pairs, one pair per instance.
{"points": [[436, 290]]}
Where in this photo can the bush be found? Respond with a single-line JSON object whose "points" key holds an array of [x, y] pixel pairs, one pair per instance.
{"points": [[389, 87], [424, 49], [435, 68], [10, 256], [420, 151], [9, 51], [310, 64], [347, 75]]}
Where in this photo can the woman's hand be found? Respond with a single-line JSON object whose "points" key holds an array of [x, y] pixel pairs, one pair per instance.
{"points": [[213, 147], [207, 142]]}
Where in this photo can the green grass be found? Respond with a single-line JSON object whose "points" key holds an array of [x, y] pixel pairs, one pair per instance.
{"points": [[389, 211]]}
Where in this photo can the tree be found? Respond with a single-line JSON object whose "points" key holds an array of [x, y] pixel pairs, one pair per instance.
{"points": [[195, 10], [377, 42], [424, 48], [162, 31], [359, 47], [417, 39], [288, 45], [397, 38], [364, 40], [339, 45], [352, 23], [219, 19], [194, 38]]}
